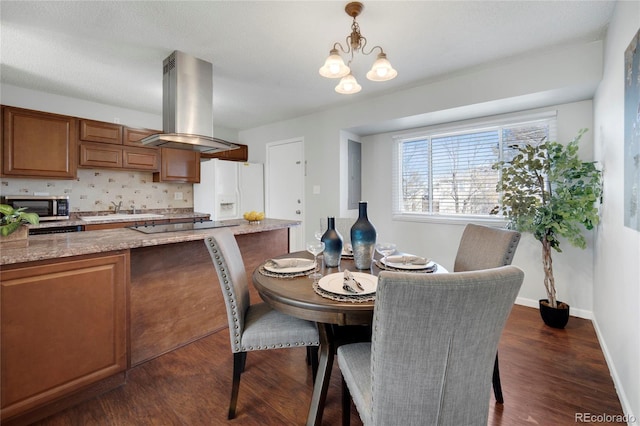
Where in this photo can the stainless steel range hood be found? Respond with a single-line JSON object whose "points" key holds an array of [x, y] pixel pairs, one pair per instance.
{"points": [[187, 106]]}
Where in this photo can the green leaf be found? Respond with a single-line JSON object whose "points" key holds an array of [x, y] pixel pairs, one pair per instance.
{"points": [[7, 229]]}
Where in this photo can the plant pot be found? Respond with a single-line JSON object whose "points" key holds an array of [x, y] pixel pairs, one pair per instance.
{"points": [[17, 239], [554, 317]]}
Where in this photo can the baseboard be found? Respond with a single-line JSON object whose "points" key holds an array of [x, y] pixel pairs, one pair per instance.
{"points": [[631, 419], [579, 313]]}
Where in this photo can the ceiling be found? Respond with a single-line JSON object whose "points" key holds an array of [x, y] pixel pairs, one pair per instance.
{"points": [[266, 54]]}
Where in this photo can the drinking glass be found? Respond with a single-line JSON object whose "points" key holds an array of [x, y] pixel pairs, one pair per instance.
{"points": [[318, 234], [385, 249], [315, 248]]}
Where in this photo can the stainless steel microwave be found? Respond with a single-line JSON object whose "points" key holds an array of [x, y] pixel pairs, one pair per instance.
{"points": [[47, 207]]}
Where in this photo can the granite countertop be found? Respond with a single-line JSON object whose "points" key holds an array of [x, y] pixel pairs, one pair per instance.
{"points": [[53, 246]]}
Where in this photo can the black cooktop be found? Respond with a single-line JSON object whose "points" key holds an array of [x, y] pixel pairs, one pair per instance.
{"points": [[175, 227]]}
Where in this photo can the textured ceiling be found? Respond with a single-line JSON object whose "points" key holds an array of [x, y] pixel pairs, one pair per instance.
{"points": [[266, 54]]}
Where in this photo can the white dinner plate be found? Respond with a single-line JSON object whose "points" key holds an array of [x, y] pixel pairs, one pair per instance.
{"points": [[407, 266], [271, 267], [333, 283]]}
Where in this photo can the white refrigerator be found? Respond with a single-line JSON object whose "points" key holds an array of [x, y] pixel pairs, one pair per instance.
{"points": [[227, 189]]}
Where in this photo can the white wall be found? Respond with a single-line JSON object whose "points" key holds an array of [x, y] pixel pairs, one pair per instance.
{"points": [[574, 281], [617, 255]]}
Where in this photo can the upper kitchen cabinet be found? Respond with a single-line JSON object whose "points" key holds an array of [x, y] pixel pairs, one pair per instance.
{"points": [[106, 156], [239, 154], [178, 165], [113, 146], [131, 136], [38, 144], [98, 131]]}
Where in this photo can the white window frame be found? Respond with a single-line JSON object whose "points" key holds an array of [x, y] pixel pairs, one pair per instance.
{"points": [[443, 130]]}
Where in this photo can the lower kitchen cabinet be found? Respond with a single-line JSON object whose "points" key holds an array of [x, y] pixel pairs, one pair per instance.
{"points": [[63, 329]]}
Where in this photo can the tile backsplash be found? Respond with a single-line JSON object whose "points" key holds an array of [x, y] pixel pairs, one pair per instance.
{"points": [[95, 190]]}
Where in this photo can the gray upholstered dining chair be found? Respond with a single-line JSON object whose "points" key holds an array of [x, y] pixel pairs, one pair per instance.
{"points": [[434, 339], [252, 327], [482, 247]]}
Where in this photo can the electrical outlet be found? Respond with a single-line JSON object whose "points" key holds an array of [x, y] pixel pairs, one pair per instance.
{"points": [[177, 195]]}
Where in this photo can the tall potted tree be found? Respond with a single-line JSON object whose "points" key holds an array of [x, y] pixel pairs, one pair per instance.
{"points": [[549, 192]]}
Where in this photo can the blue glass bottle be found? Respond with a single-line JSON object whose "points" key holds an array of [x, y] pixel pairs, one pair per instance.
{"points": [[363, 239], [332, 244]]}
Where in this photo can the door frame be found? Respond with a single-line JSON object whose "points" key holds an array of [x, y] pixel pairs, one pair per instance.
{"points": [[299, 233]]}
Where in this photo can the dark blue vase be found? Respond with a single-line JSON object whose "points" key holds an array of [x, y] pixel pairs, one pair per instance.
{"points": [[332, 244], [363, 239]]}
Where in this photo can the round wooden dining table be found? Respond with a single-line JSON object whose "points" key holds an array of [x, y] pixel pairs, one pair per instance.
{"points": [[295, 296]]}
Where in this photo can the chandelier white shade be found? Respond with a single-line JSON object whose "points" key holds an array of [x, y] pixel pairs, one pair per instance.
{"points": [[348, 85], [334, 66], [381, 69]]}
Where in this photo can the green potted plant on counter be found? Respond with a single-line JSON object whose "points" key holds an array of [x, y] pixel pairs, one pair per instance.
{"points": [[549, 192], [13, 220]]}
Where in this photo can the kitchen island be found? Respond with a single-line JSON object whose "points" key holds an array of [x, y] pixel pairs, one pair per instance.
{"points": [[80, 309]]}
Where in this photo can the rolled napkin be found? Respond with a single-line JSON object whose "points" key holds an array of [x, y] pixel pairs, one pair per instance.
{"points": [[408, 260], [291, 263], [350, 283]]}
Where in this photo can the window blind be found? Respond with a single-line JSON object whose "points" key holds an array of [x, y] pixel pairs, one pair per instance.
{"points": [[450, 171]]}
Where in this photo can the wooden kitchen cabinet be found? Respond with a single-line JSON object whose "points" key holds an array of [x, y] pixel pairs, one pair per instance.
{"points": [[99, 131], [43, 145], [133, 136], [140, 158], [38, 144], [178, 165], [239, 154], [117, 157], [63, 329], [100, 155], [112, 146]]}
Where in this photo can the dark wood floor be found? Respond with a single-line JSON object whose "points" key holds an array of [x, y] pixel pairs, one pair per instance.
{"points": [[548, 375]]}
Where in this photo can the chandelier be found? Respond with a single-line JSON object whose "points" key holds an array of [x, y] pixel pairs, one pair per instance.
{"points": [[334, 66]]}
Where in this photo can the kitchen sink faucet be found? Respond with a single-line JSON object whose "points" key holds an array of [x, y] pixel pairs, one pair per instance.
{"points": [[117, 206]]}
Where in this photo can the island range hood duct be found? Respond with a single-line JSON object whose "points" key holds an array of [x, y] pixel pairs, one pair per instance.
{"points": [[187, 107]]}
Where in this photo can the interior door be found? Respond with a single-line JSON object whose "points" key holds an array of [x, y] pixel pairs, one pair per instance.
{"points": [[284, 186]]}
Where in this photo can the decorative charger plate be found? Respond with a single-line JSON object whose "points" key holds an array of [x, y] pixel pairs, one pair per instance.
{"points": [[306, 265], [333, 283], [347, 254], [407, 266]]}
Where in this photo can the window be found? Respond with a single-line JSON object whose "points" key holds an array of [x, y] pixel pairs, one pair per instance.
{"points": [[448, 172]]}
